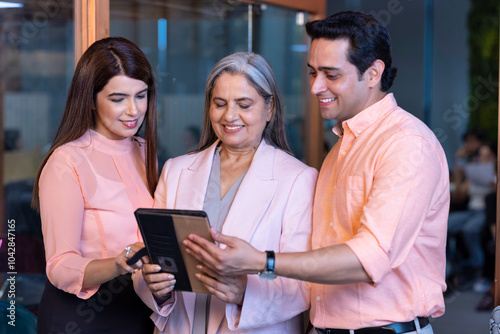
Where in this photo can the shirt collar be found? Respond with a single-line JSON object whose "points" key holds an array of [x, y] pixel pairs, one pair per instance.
{"points": [[366, 117]]}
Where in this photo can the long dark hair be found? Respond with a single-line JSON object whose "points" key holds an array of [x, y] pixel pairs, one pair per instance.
{"points": [[102, 61], [368, 39], [260, 75]]}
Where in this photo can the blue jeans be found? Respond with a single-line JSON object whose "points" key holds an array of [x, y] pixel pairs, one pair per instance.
{"points": [[468, 224]]}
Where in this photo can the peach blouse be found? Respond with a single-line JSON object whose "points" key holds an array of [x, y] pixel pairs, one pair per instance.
{"points": [[89, 190]]}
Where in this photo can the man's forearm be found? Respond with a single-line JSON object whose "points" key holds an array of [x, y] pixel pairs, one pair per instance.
{"points": [[330, 265]]}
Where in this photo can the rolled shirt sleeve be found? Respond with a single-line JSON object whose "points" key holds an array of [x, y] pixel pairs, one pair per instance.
{"points": [[400, 198]]}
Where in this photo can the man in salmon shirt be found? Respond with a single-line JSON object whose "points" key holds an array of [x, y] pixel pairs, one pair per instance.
{"points": [[381, 202]]}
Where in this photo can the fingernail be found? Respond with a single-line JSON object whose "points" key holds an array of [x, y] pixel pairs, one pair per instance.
{"points": [[185, 242], [198, 276], [199, 267]]}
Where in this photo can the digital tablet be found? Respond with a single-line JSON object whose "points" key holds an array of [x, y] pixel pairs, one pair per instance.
{"points": [[163, 231]]}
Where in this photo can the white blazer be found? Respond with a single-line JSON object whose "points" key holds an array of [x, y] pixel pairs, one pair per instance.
{"points": [[272, 211]]}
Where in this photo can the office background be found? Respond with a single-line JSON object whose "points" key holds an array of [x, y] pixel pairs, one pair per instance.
{"points": [[42, 39]]}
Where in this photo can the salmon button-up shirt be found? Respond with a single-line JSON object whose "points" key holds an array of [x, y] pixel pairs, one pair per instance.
{"points": [[384, 191]]}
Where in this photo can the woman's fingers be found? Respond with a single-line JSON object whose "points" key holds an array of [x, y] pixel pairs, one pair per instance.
{"points": [[159, 283]]}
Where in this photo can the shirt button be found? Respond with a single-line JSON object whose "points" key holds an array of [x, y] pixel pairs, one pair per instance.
{"points": [[334, 187], [318, 298], [359, 131], [331, 223], [343, 152]]}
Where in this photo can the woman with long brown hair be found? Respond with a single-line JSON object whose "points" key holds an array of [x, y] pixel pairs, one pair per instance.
{"points": [[97, 172]]}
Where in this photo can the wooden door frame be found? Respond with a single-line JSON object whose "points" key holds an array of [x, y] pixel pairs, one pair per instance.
{"points": [[91, 23]]}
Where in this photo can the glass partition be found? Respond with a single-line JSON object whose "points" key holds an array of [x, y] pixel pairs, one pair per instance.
{"points": [[183, 40], [279, 35], [37, 65]]}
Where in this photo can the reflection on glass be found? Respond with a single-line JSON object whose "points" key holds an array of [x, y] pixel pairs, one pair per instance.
{"points": [[37, 64], [183, 40], [280, 37]]}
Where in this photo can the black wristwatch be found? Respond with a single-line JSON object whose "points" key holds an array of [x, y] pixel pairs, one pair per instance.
{"points": [[268, 273]]}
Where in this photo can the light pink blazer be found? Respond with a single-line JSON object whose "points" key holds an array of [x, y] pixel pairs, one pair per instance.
{"points": [[272, 211]]}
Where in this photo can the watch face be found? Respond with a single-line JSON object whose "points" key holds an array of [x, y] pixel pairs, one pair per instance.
{"points": [[268, 275]]}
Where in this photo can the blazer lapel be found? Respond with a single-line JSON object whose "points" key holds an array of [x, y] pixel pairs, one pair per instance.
{"points": [[189, 299], [251, 202], [193, 181], [254, 195]]}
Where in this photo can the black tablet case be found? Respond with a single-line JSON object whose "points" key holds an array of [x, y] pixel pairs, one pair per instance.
{"points": [[163, 231]]}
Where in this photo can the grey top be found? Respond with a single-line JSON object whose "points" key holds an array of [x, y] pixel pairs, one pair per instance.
{"points": [[215, 206]]}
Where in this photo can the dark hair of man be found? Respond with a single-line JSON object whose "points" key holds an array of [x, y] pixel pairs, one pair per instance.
{"points": [[259, 74], [368, 40], [102, 61]]}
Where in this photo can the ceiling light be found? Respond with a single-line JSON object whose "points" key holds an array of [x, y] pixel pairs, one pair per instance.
{"points": [[6, 4]]}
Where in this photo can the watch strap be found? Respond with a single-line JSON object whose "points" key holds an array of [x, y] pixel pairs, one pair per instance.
{"points": [[270, 261]]}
